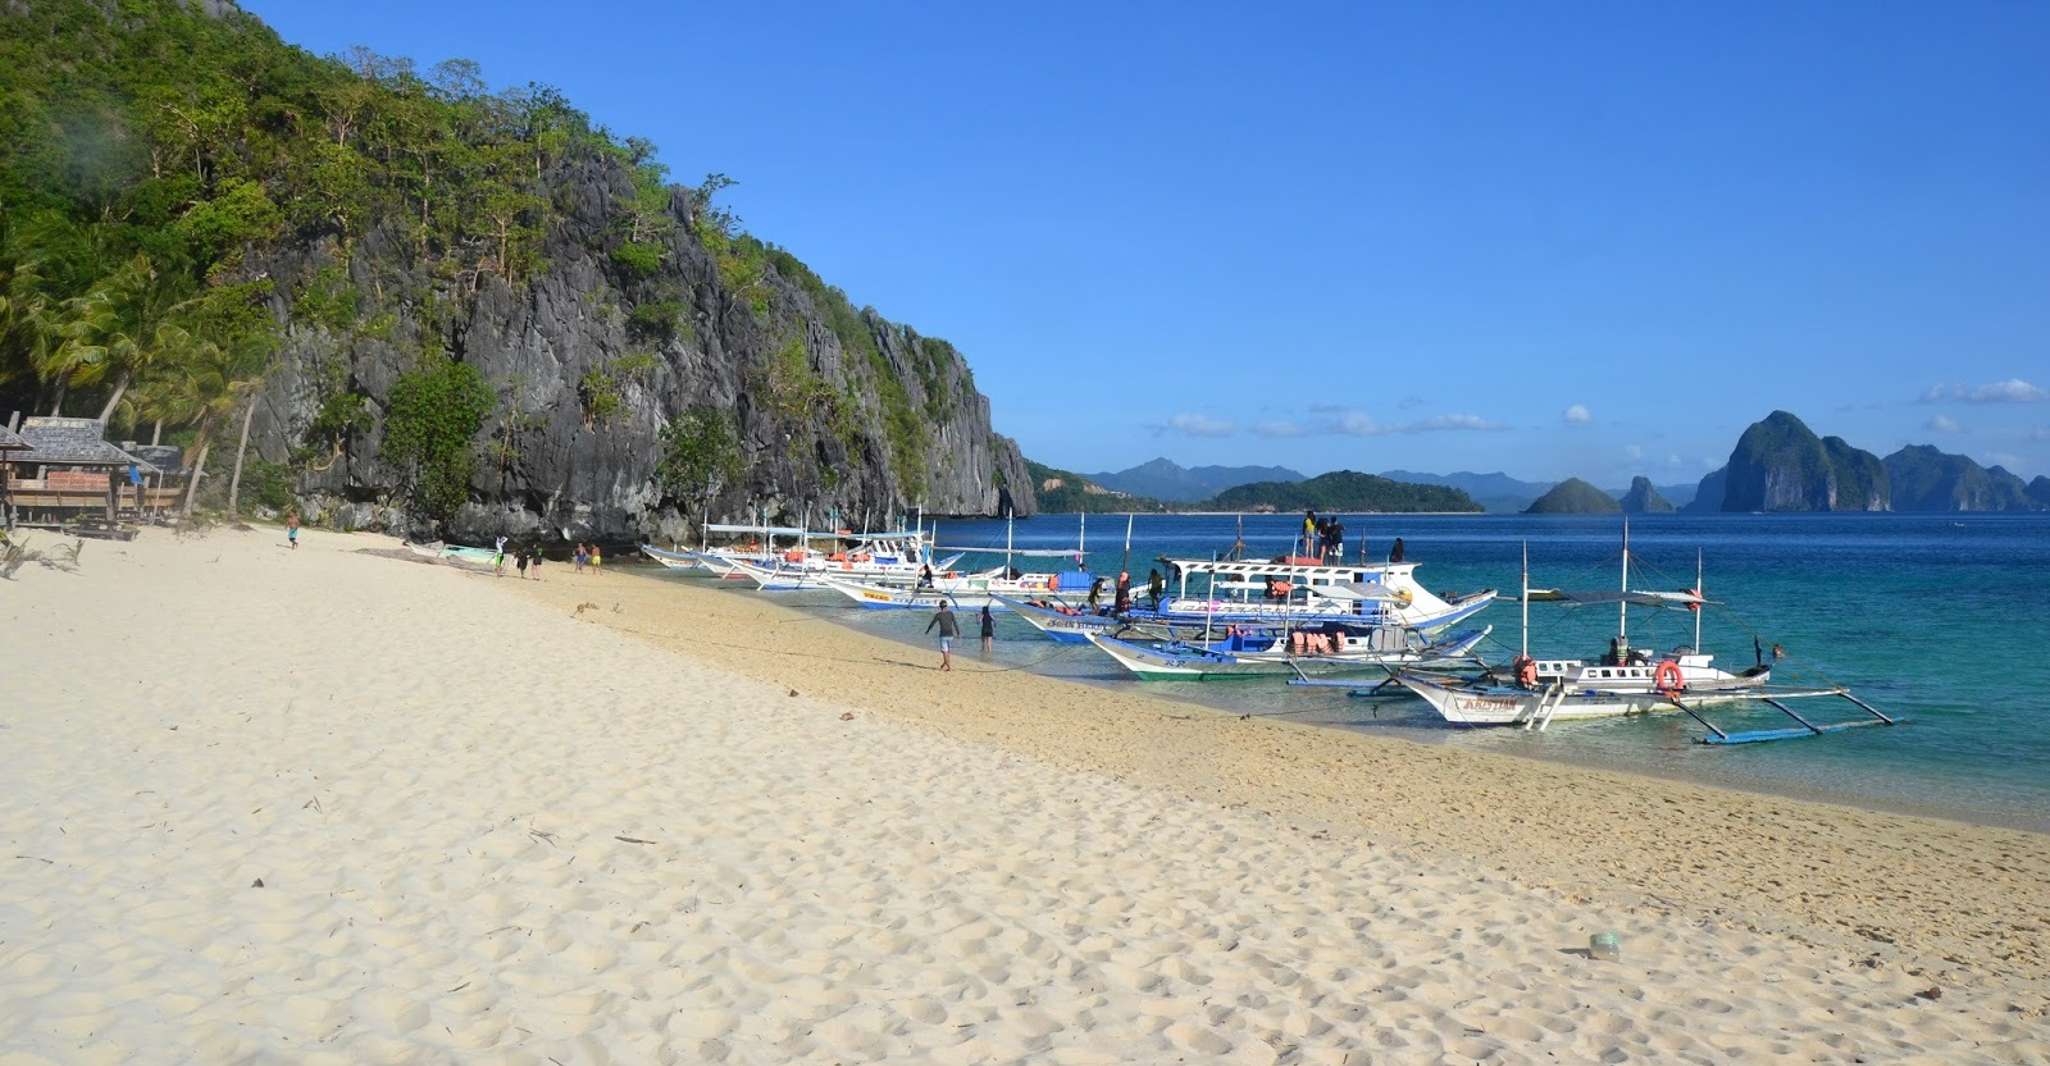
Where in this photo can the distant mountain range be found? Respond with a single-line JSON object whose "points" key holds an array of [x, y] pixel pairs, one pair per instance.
{"points": [[1163, 479]]}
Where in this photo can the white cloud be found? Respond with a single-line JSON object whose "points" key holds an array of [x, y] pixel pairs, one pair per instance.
{"points": [[1940, 424], [1635, 452], [1279, 427], [1195, 425], [1674, 459], [2013, 390], [1577, 415], [1436, 423]]}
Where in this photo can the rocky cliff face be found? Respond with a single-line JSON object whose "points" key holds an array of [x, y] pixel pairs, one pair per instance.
{"points": [[1925, 479], [847, 416], [1644, 499], [1779, 464], [1708, 496]]}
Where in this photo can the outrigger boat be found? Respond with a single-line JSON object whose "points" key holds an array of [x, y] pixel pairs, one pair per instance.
{"points": [[994, 589], [1322, 648], [1300, 590], [1626, 682]]}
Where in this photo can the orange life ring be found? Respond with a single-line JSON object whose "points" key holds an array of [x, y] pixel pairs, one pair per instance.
{"points": [[1526, 672], [1667, 678]]}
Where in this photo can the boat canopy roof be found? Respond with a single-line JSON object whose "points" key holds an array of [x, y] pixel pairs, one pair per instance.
{"points": [[1636, 598], [1358, 590], [1262, 568], [822, 534], [1030, 553]]}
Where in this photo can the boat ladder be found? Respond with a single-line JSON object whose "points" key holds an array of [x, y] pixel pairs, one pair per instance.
{"points": [[1547, 705]]}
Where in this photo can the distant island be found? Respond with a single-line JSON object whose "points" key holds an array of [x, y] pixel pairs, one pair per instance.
{"points": [[1574, 496], [1644, 498], [1344, 490], [1780, 464]]}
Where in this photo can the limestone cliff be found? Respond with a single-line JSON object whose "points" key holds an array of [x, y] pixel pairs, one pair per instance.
{"points": [[1779, 464]]}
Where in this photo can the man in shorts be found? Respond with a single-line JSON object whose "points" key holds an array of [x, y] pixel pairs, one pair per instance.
{"points": [[950, 627]]}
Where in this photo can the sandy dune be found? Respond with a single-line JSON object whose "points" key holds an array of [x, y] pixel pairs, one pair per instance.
{"points": [[487, 829]]}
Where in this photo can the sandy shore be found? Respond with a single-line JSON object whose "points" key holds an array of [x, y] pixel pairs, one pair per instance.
{"points": [[487, 824]]}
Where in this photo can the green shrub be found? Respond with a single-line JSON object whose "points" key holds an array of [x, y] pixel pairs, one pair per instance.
{"points": [[700, 454], [639, 259], [435, 412], [655, 321]]}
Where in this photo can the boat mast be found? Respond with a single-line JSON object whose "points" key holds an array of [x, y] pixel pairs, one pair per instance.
{"points": [[1082, 541], [1699, 606], [1525, 598], [1623, 605], [1127, 567]]}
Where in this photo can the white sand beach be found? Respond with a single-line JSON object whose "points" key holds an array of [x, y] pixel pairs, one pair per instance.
{"points": [[334, 806]]}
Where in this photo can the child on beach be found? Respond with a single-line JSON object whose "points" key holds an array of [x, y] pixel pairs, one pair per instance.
{"points": [[520, 560], [989, 629], [950, 627], [597, 557], [292, 529]]}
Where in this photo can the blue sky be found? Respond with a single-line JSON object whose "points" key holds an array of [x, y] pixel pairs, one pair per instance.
{"points": [[1556, 239]]}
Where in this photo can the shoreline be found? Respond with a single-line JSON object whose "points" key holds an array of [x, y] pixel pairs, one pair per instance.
{"points": [[1958, 815], [1595, 829]]}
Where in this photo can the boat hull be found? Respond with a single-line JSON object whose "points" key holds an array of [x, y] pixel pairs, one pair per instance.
{"points": [[1200, 663]]}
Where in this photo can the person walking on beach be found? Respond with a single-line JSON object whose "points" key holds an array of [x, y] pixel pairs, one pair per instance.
{"points": [[950, 627], [989, 629], [520, 561], [1154, 586], [597, 557], [1395, 552], [292, 529], [498, 560], [537, 562]]}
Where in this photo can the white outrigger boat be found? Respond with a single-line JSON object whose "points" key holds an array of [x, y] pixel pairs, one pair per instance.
{"points": [[994, 589], [1297, 591], [900, 557], [1538, 692], [1252, 653]]}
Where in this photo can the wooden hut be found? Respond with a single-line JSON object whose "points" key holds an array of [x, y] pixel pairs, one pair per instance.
{"points": [[12, 447], [78, 473]]}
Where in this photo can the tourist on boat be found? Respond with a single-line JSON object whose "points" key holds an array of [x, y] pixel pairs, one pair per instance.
{"points": [[950, 627], [1096, 596], [1395, 552], [1309, 530], [1337, 556], [1154, 586], [925, 576], [989, 629], [1122, 602]]}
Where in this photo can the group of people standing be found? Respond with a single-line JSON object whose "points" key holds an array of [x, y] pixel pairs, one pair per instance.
{"points": [[1324, 538], [528, 556]]}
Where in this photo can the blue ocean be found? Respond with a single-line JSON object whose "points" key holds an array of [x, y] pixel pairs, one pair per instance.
{"points": [[1942, 621]]}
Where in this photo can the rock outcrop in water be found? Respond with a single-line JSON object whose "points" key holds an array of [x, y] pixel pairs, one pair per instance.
{"points": [[1644, 499], [1779, 464], [1925, 479]]}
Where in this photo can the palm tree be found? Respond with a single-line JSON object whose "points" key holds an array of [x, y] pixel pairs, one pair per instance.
{"points": [[205, 386]]}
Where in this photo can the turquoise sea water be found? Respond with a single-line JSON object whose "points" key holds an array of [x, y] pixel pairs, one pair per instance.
{"points": [[1942, 620]]}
